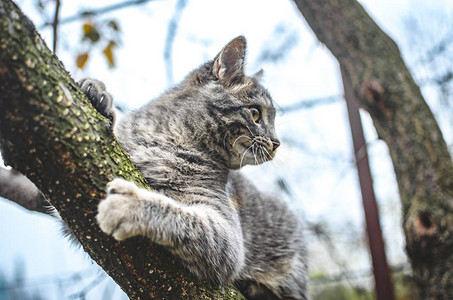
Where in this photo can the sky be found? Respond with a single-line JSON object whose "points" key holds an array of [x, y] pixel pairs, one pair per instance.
{"points": [[315, 157]]}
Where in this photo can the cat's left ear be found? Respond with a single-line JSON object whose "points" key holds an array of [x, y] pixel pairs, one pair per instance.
{"points": [[229, 64]]}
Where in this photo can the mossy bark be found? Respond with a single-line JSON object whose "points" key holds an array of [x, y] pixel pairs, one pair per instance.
{"points": [[422, 163], [50, 133]]}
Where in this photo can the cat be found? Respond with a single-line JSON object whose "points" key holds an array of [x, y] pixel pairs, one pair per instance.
{"points": [[189, 144]]}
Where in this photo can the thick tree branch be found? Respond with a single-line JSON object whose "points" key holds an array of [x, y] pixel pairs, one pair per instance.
{"points": [[50, 133], [422, 163]]}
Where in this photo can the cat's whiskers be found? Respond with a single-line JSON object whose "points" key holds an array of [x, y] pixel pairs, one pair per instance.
{"points": [[257, 154], [243, 155], [249, 130], [241, 136], [263, 156], [254, 154], [279, 124], [268, 154]]}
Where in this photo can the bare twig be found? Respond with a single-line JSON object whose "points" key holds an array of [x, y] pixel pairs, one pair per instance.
{"points": [[97, 11], [437, 49], [95, 282], [278, 46], [171, 34], [55, 25], [310, 103]]}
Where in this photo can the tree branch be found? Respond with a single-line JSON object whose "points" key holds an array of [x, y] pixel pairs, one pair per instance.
{"points": [[50, 133], [309, 103], [169, 40], [55, 26], [97, 11], [422, 163]]}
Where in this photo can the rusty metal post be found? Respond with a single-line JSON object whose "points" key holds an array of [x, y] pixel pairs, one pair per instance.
{"points": [[383, 282]]}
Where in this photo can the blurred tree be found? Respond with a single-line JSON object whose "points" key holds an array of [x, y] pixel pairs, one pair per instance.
{"points": [[422, 163]]}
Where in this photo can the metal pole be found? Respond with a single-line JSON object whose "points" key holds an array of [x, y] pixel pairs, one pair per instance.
{"points": [[383, 283]]}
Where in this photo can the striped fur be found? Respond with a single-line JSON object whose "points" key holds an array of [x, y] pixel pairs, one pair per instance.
{"points": [[188, 144]]}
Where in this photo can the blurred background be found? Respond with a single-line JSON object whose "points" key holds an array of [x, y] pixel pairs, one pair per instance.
{"points": [[140, 48]]}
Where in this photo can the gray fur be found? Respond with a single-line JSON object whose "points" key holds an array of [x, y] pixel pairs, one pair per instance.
{"points": [[188, 144]]}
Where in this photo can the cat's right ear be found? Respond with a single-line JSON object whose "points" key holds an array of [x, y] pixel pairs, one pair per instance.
{"points": [[229, 64], [258, 75]]}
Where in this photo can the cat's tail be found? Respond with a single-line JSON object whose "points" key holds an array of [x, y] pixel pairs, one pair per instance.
{"points": [[17, 188]]}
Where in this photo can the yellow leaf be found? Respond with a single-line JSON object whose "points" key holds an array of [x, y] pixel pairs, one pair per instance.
{"points": [[87, 28], [81, 60], [91, 33], [108, 53]]}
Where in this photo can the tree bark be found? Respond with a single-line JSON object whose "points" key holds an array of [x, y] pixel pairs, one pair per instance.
{"points": [[50, 133], [422, 163]]}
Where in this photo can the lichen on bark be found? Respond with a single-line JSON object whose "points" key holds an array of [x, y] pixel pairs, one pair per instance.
{"points": [[50, 133]]}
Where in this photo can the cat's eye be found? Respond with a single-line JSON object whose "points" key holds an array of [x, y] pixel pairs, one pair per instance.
{"points": [[255, 114]]}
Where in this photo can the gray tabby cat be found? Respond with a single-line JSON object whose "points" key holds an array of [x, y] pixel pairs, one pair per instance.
{"points": [[189, 143]]}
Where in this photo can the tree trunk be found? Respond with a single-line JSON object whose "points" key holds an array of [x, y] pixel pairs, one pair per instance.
{"points": [[422, 163], [50, 133]]}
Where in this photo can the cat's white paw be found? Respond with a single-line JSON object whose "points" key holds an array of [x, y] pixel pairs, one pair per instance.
{"points": [[116, 213], [122, 187]]}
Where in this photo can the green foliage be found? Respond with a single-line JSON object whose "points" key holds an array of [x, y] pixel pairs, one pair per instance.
{"points": [[337, 289], [405, 288], [342, 292]]}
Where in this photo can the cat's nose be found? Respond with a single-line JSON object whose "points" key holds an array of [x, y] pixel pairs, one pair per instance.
{"points": [[275, 144]]}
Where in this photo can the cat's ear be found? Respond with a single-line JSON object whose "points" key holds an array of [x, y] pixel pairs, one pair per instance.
{"points": [[229, 64], [258, 75]]}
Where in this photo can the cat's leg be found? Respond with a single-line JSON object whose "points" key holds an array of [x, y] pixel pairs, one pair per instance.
{"points": [[255, 291], [99, 97], [208, 241]]}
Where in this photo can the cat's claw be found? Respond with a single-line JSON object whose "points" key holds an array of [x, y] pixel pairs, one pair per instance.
{"points": [[116, 212], [99, 97]]}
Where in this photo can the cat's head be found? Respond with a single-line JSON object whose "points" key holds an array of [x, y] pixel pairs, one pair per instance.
{"points": [[238, 106]]}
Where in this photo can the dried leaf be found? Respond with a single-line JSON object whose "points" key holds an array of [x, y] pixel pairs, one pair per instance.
{"points": [[114, 25], [82, 60], [87, 28], [108, 53]]}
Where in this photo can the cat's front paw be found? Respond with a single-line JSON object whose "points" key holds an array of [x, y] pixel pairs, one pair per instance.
{"points": [[120, 186], [117, 213], [99, 97]]}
